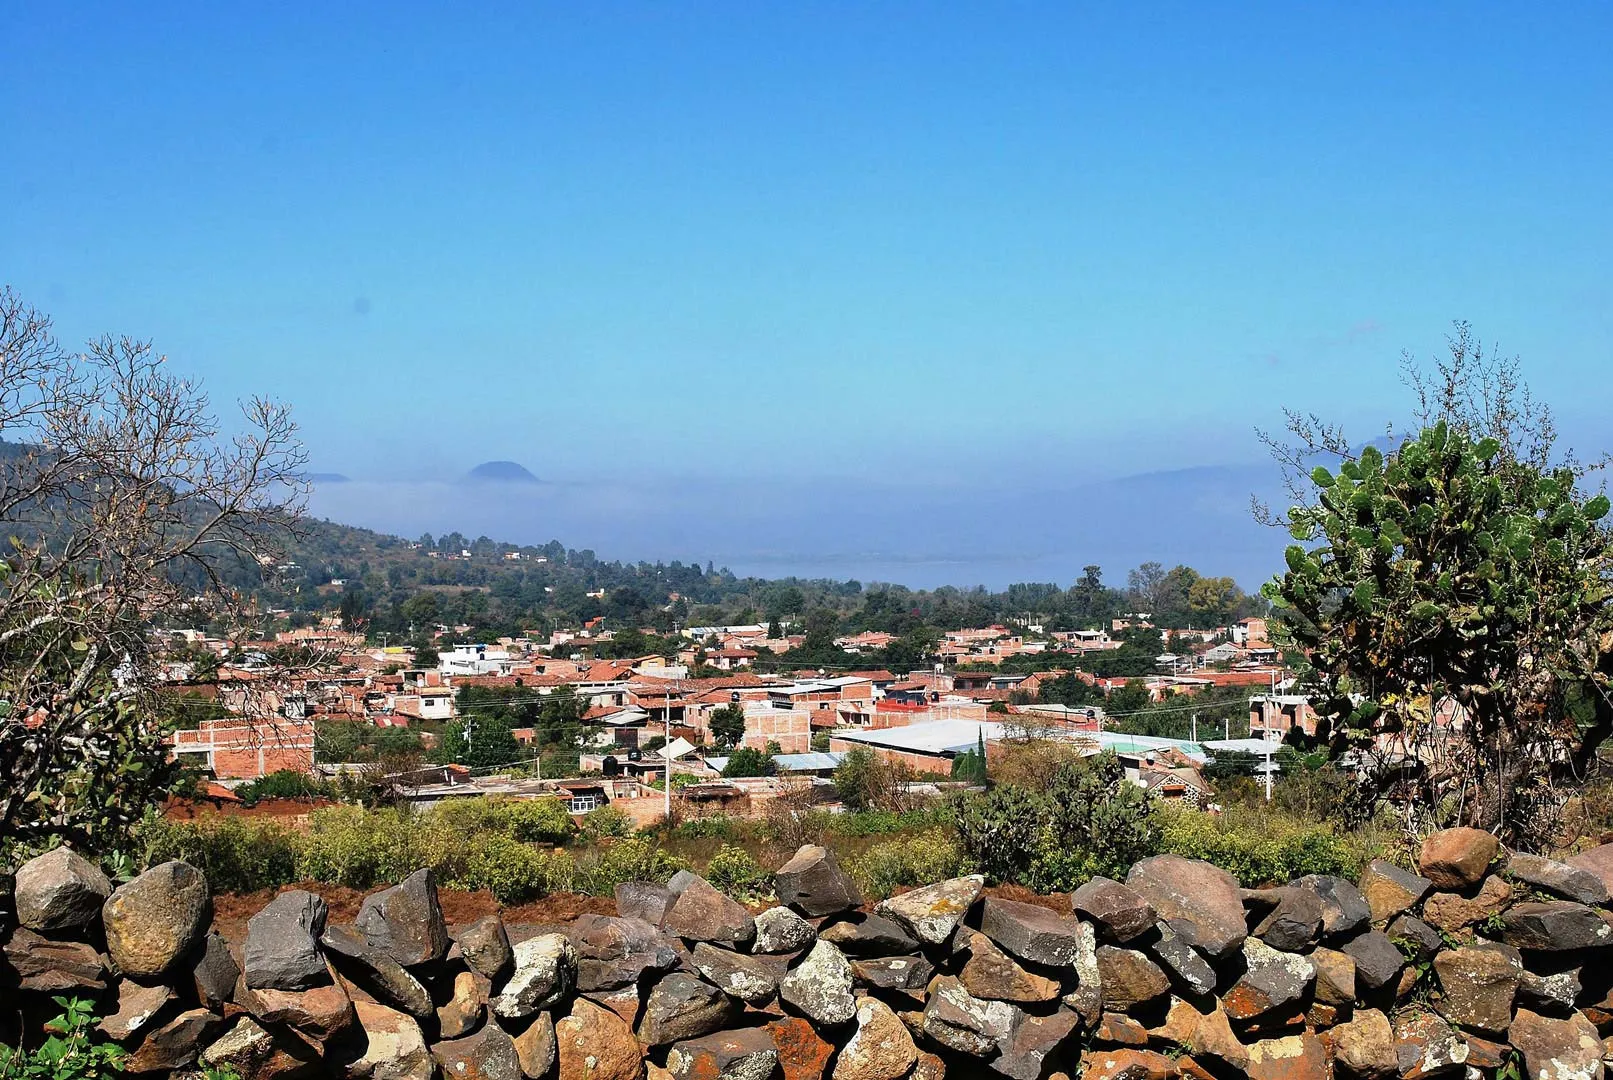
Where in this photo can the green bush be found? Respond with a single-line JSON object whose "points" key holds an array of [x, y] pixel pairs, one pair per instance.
{"points": [[598, 872], [285, 784], [733, 870], [73, 1049], [915, 860], [512, 871], [1260, 848], [348, 845], [607, 823], [715, 827], [236, 854]]}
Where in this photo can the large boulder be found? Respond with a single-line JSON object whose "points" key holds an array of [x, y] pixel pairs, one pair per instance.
{"points": [[1457, 859], [1129, 978], [1390, 890], [1030, 932], [1119, 910], [155, 919], [59, 890], [485, 946], [647, 900], [593, 1043], [780, 930], [751, 979], [962, 1022], [881, 1049], [545, 972], [376, 972], [1569, 882], [405, 921], [874, 935], [820, 987], [1202, 903], [487, 1055], [1567, 1049], [1554, 926], [747, 1054], [1478, 986], [1272, 981], [1344, 909], [813, 883], [702, 913], [682, 1007], [933, 913], [614, 952], [394, 1046], [1364, 1047], [991, 974], [282, 943]]}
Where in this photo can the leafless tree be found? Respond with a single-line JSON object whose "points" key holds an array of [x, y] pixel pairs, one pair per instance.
{"points": [[124, 501]]}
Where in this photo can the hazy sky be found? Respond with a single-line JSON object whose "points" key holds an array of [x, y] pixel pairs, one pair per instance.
{"points": [[949, 243]]}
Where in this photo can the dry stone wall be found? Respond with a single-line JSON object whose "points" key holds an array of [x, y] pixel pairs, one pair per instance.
{"points": [[1479, 964]]}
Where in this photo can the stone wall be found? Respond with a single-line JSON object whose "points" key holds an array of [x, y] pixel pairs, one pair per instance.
{"points": [[1478, 961]]}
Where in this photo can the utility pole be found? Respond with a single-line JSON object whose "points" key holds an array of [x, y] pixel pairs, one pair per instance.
{"points": [[1195, 727], [666, 752], [1268, 770]]}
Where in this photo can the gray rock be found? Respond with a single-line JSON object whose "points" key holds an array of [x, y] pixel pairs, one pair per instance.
{"points": [[405, 921], [820, 987], [932, 913], [157, 918], [813, 883], [1293, 918], [1569, 882], [614, 952], [1377, 961], [1202, 903], [59, 890], [377, 972], [746, 1054], [485, 945], [780, 930], [959, 1021], [1599, 861], [487, 1055], [678, 882], [282, 943], [1272, 982], [644, 900], [1189, 971], [1344, 909], [1118, 910], [1552, 993], [1030, 932], [1554, 926], [1086, 998], [893, 972], [702, 913], [214, 973], [1034, 1041], [682, 1007], [871, 936], [545, 974], [751, 979], [1423, 940]]}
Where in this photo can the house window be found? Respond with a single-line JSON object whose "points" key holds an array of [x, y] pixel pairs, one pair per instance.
{"points": [[584, 804]]}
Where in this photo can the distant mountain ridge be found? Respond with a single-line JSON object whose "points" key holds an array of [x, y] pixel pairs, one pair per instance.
{"points": [[501, 472]]}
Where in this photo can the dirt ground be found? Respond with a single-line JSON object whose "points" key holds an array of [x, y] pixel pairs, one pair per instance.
{"points": [[280, 809]]}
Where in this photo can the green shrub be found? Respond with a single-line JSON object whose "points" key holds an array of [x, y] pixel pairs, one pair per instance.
{"points": [[348, 845], [236, 854], [285, 784], [1260, 848], [606, 823], [733, 870], [73, 1050], [512, 871], [598, 872], [915, 860], [715, 827]]}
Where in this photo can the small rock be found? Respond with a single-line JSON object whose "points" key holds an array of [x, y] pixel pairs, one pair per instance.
{"points": [[1569, 882], [820, 987], [1344, 909], [1377, 961], [780, 930], [1294, 918], [1390, 890], [545, 972], [751, 979], [487, 1055], [376, 972], [881, 1049], [460, 1014], [1272, 981], [1335, 977], [1129, 978], [53, 967], [1599, 861], [214, 972], [1552, 993], [872, 936], [535, 1047], [615, 952], [1479, 986], [991, 974], [319, 1014], [135, 1006], [1202, 903], [1557, 1049], [282, 943], [1292, 1057], [593, 1043], [1187, 969], [893, 972], [1128, 1064], [1425, 1046], [1414, 934], [1030, 932], [1457, 859], [394, 1046], [1119, 909], [1213, 1038], [803, 1053], [1554, 926], [59, 890], [959, 1021], [1453, 912], [932, 913], [156, 918], [813, 883], [1033, 1042], [173, 1044], [702, 913], [405, 921], [1365, 1046], [485, 945], [747, 1054], [1118, 1029], [682, 1007], [644, 900], [1087, 997], [253, 1051]]}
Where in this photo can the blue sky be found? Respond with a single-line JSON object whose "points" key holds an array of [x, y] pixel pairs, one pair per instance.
{"points": [[945, 245]]}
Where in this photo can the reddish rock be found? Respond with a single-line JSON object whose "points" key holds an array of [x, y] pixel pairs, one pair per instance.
{"points": [[594, 1044], [174, 1044], [803, 1055], [1292, 1057], [1557, 1049], [1457, 859], [990, 973], [1202, 903], [1127, 1064], [1452, 912], [1390, 890]]}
